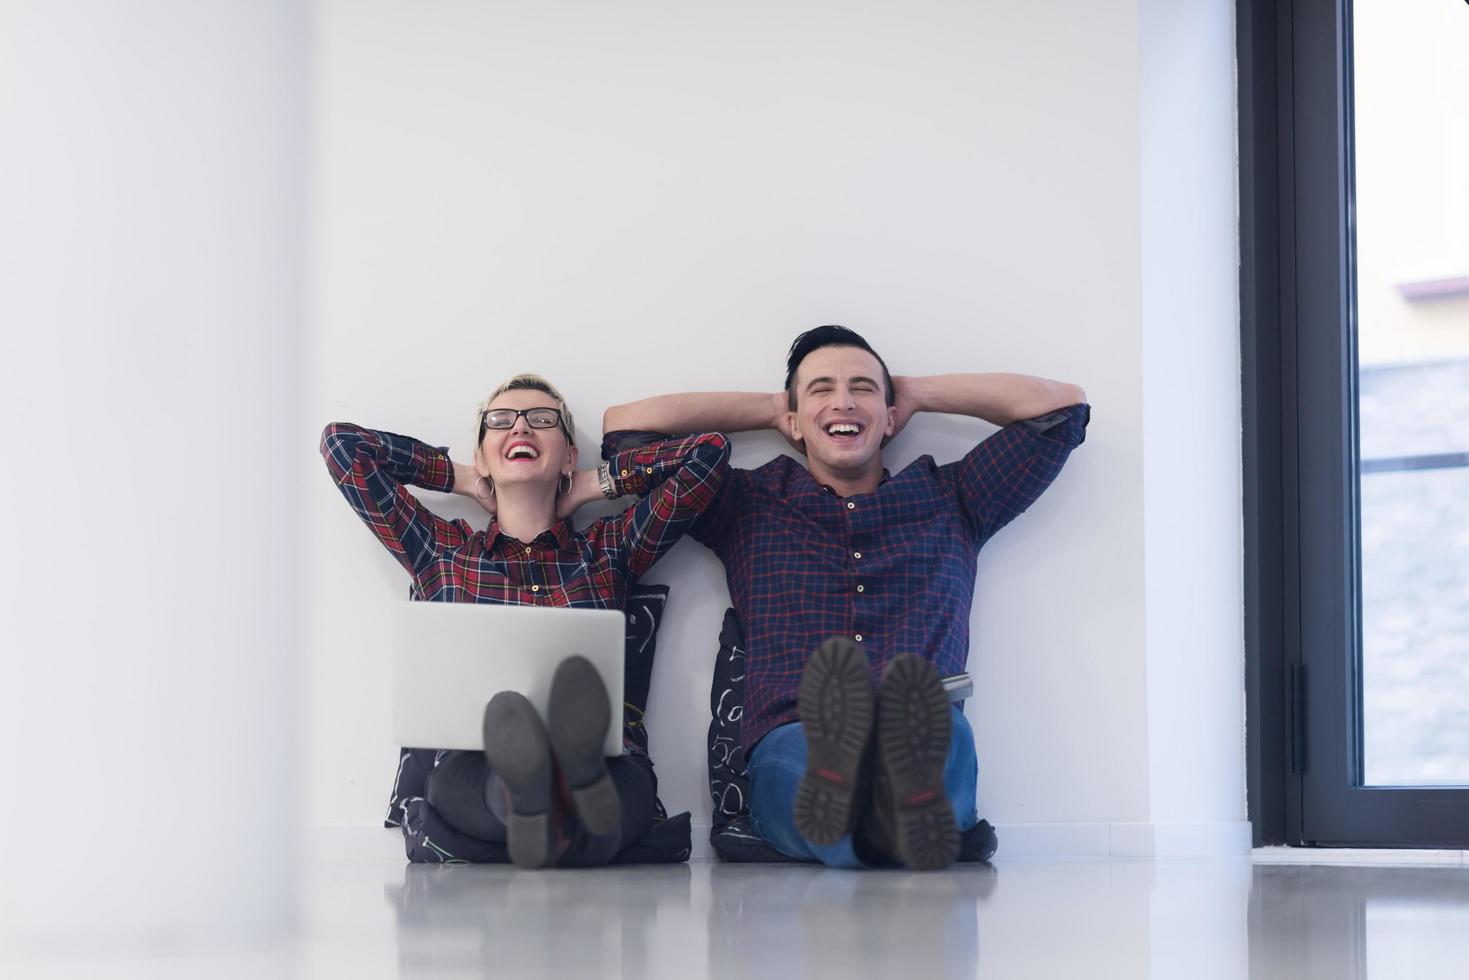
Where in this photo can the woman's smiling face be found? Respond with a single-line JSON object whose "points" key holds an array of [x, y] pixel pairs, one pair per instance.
{"points": [[522, 453]]}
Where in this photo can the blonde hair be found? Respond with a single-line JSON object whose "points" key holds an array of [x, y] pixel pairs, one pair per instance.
{"points": [[529, 382]]}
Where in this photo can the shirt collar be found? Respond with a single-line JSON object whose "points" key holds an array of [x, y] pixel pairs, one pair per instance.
{"points": [[560, 533], [830, 490]]}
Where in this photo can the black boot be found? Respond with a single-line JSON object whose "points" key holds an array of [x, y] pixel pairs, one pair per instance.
{"points": [[577, 718], [836, 712], [520, 761], [910, 805]]}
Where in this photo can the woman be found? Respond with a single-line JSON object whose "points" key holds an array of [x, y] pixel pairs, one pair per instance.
{"points": [[524, 473]]}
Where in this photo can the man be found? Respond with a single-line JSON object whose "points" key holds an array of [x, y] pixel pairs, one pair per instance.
{"points": [[875, 573]]}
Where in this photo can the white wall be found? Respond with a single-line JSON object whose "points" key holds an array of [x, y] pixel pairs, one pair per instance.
{"points": [[1191, 431], [151, 254], [641, 198]]}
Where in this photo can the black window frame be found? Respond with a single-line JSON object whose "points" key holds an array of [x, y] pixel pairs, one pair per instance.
{"points": [[1265, 173]]}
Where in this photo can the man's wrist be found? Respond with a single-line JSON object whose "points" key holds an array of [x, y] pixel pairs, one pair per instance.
{"points": [[911, 391], [780, 406]]}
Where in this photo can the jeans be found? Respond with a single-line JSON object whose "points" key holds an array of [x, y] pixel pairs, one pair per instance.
{"points": [[779, 763], [459, 785]]}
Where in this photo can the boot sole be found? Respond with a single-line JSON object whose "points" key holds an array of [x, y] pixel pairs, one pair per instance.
{"points": [[577, 717], [517, 750], [836, 711], [914, 727]]}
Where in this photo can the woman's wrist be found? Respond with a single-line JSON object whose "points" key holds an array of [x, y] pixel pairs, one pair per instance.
{"points": [[605, 484], [465, 478], [585, 487]]}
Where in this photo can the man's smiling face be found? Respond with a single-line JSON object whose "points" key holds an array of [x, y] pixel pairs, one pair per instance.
{"points": [[842, 412]]}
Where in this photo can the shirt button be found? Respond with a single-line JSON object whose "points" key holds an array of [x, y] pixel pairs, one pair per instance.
{"points": [[535, 588], [859, 637], [851, 506], [648, 470], [860, 588], [527, 551], [856, 554], [624, 472]]}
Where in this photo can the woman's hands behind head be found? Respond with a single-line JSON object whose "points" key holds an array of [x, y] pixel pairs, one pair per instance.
{"points": [[584, 489], [468, 483]]}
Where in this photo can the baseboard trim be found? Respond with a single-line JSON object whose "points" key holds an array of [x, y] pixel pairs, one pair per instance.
{"points": [[700, 848], [1018, 841], [334, 843], [1100, 841], [1147, 841], [1387, 856]]}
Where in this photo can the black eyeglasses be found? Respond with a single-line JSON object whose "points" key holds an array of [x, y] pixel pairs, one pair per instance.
{"points": [[537, 418]]}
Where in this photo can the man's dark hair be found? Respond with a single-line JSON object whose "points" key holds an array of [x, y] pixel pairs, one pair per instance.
{"points": [[830, 335]]}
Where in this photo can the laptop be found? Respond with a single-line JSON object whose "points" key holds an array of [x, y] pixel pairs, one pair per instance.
{"points": [[450, 658]]}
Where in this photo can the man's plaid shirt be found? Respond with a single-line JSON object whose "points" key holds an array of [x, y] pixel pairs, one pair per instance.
{"points": [[892, 569], [451, 562]]}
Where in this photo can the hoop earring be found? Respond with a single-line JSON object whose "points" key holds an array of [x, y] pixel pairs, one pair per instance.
{"points": [[566, 489], [486, 480]]}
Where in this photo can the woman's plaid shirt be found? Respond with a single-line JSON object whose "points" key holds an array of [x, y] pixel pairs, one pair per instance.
{"points": [[893, 569], [451, 562]]}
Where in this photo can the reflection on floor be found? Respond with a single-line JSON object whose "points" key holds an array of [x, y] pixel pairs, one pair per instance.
{"points": [[374, 916]]}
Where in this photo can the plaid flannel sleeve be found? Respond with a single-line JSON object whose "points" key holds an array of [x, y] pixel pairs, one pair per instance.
{"points": [[1000, 478], [677, 479], [373, 470]]}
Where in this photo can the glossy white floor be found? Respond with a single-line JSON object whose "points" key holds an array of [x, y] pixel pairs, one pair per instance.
{"points": [[367, 914]]}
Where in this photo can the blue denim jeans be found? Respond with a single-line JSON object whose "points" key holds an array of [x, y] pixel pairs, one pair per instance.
{"points": [[780, 760]]}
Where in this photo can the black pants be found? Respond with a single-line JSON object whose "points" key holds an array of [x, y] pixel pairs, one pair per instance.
{"points": [[461, 788]]}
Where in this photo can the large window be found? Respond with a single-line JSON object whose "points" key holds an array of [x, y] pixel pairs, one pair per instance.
{"points": [[1355, 299], [1410, 141]]}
